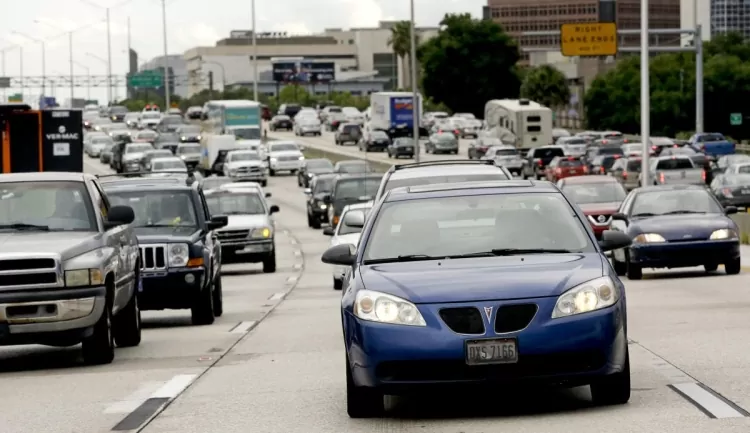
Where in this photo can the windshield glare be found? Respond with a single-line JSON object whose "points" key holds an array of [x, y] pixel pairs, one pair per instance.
{"points": [[236, 204], [353, 189], [157, 208], [60, 206], [610, 192], [450, 226], [741, 179], [244, 156], [661, 202], [151, 116], [247, 133], [188, 149], [284, 147]]}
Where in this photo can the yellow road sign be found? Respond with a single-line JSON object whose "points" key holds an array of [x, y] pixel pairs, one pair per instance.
{"points": [[588, 39]]}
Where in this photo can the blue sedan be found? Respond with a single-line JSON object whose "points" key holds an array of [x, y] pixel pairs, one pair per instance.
{"points": [[674, 227], [480, 283]]}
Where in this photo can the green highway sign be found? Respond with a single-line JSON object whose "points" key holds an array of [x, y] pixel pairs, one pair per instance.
{"points": [[735, 119], [145, 79]]}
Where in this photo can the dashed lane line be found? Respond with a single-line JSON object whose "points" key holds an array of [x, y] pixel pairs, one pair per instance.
{"points": [[243, 327], [158, 399]]}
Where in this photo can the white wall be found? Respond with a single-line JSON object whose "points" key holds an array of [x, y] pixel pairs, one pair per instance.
{"points": [[704, 17]]}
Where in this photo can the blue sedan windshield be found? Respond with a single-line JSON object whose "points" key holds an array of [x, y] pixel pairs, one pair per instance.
{"points": [[452, 226], [675, 201]]}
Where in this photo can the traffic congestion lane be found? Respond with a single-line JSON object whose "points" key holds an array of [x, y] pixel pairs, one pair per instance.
{"points": [[288, 374], [46, 389], [325, 143]]}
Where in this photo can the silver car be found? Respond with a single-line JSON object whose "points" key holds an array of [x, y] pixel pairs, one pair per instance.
{"points": [[307, 125], [442, 142], [347, 231]]}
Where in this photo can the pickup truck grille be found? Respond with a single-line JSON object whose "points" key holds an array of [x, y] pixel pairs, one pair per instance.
{"points": [[28, 272], [153, 257], [288, 158], [249, 170], [232, 235]]}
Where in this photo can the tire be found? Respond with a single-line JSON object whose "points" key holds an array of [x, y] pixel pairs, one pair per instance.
{"points": [[309, 220], [269, 264], [99, 348], [634, 272], [127, 324], [315, 223], [338, 284], [619, 267], [733, 266], [613, 389], [362, 402], [264, 183], [299, 182], [271, 172], [218, 295], [711, 267], [202, 311]]}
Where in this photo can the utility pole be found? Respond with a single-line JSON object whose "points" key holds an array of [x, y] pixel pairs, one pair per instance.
{"points": [[255, 55], [166, 57], [414, 93]]}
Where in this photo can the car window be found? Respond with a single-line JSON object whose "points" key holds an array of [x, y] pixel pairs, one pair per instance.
{"points": [[60, 206], [741, 179], [354, 189], [674, 164], [570, 163], [550, 152], [157, 208], [324, 185], [707, 138], [236, 204], [190, 129], [184, 149], [662, 202], [138, 148], [244, 156], [604, 192], [452, 226], [634, 165]]}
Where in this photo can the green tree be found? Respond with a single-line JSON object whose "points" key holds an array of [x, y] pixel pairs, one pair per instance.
{"points": [[400, 41], [546, 85], [469, 62]]}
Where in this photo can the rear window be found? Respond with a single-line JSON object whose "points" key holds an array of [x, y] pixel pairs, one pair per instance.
{"points": [[433, 180], [609, 161], [674, 164], [548, 152], [570, 163], [706, 138], [351, 128], [610, 151], [506, 152], [355, 189], [634, 165]]}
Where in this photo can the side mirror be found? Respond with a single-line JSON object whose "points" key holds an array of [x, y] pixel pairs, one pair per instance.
{"points": [[308, 191], [119, 215], [218, 222], [343, 255], [614, 240], [729, 210], [268, 195], [355, 219], [620, 217], [329, 231], [274, 209]]}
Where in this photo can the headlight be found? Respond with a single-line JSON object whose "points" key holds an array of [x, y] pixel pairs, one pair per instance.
{"points": [[589, 296], [178, 255], [261, 233], [723, 234], [384, 308], [649, 238], [184, 138], [198, 137], [323, 206], [301, 158], [84, 277], [273, 159]]}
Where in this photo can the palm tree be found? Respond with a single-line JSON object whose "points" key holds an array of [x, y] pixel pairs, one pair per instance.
{"points": [[400, 42]]}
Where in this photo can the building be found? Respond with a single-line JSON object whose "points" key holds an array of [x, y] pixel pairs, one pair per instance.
{"points": [[727, 16], [687, 13], [178, 83], [364, 62], [520, 16]]}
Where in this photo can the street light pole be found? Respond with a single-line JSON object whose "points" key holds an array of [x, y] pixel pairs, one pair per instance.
{"points": [[109, 61], [70, 54], [88, 79], [645, 95], [255, 55], [415, 95], [166, 58], [44, 55]]}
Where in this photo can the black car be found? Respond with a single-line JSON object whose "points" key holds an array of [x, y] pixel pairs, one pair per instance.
{"points": [[189, 133], [350, 189], [376, 140], [401, 147], [117, 113], [179, 254], [732, 189], [282, 121], [311, 168], [320, 188], [536, 160]]}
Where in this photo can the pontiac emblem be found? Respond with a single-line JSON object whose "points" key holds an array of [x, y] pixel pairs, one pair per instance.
{"points": [[601, 218], [488, 313]]}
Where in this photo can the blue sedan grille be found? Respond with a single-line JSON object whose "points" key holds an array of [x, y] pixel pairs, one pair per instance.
{"points": [[512, 318], [463, 320]]}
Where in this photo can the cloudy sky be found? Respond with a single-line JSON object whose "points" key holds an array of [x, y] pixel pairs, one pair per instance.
{"points": [[190, 23]]}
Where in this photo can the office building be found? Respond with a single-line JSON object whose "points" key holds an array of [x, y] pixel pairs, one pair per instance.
{"points": [[728, 16]]}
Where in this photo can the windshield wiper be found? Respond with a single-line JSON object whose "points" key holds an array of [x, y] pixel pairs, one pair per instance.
{"points": [[681, 212], [519, 251], [163, 225], [403, 258], [23, 226], [644, 214]]}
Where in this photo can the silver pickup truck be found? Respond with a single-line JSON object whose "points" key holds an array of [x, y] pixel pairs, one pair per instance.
{"points": [[675, 170], [69, 270]]}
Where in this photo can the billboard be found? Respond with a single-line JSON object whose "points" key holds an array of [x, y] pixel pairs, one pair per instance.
{"points": [[303, 71], [242, 116]]}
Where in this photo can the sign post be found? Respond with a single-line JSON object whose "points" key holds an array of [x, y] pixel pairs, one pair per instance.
{"points": [[588, 39], [735, 119]]}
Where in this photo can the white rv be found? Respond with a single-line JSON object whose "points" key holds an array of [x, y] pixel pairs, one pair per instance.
{"points": [[528, 121]]}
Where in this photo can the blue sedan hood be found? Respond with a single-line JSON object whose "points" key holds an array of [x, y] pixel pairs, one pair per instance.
{"points": [[676, 227], [492, 278]]}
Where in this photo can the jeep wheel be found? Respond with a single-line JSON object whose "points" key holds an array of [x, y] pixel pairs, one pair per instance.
{"points": [[218, 297], [202, 310], [99, 348], [269, 264], [272, 172], [127, 324]]}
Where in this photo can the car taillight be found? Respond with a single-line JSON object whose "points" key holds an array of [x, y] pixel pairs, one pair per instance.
{"points": [[585, 170], [558, 170], [625, 175], [601, 170], [703, 175], [605, 141], [661, 178], [540, 162], [456, 132], [335, 221], [727, 192]]}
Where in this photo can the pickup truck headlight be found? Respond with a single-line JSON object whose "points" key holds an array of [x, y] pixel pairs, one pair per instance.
{"points": [[649, 238], [301, 158], [273, 159], [723, 234], [261, 233], [83, 277], [178, 255], [384, 308], [590, 296]]}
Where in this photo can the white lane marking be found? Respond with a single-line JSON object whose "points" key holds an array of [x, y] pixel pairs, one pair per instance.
{"points": [[293, 241], [242, 327], [291, 280], [174, 387], [134, 400], [276, 296], [298, 253], [706, 400], [298, 266]]}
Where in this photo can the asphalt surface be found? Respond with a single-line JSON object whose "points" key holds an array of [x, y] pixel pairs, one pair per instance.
{"points": [[282, 370]]}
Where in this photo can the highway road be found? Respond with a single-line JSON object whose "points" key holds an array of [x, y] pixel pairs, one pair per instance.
{"points": [[275, 363]]}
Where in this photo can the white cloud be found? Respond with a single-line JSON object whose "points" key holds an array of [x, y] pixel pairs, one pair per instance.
{"points": [[292, 28], [363, 13], [198, 34]]}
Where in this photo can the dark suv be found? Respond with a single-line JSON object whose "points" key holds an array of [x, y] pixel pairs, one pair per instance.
{"points": [[535, 163], [179, 254], [321, 187], [350, 189]]}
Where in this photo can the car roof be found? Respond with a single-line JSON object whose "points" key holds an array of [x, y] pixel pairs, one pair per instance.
{"points": [[470, 189], [146, 183], [166, 158], [667, 187], [578, 180], [250, 187], [346, 176], [47, 176], [444, 170]]}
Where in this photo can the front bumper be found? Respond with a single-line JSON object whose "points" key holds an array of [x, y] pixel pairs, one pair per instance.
{"points": [[171, 289], [568, 351], [57, 317], [247, 251], [684, 254], [131, 166], [250, 177], [285, 165]]}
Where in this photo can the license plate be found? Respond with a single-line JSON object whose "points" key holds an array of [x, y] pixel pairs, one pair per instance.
{"points": [[494, 351], [572, 172]]}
